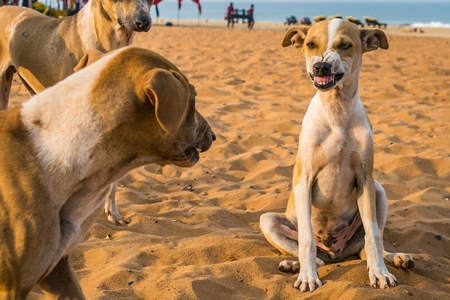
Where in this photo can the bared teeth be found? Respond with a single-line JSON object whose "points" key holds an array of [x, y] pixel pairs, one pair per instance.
{"points": [[324, 80]]}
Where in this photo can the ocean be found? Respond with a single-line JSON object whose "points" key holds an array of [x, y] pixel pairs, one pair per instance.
{"points": [[423, 14]]}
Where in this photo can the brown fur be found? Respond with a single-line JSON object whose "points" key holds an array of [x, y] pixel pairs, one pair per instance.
{"points": [[47, 207], [45, 50]]}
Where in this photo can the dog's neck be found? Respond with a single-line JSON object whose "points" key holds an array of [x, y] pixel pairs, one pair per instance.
{"points": [[339, 102], [69, 138], [105, 33]]}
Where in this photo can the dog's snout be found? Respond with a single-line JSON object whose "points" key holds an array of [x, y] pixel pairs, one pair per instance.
{"points": [[208, 140], [322, 69], [143, 23]]}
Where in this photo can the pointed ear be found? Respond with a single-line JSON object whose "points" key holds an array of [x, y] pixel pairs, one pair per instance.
{"points": [[169, 94], [89, 58], [372, 39], [295, 36]]}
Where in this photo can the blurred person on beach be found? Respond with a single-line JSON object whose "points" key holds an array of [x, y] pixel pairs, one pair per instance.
{"points": [[230, 13], [251, 21]]}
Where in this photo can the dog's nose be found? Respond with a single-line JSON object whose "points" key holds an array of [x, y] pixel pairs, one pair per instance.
{"points": [[322, 69], [143, 23], [213, 136]]}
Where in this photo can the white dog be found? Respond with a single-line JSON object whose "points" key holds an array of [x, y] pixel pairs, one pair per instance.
{"points": [[336, 208]]}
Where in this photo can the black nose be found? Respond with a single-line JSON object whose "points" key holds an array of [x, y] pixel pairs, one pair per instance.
{"points": [[213, 136], [322, 69], [143, 23]]}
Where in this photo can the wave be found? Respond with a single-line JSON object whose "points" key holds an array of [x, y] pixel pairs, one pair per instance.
{"points": [[431, 24]]}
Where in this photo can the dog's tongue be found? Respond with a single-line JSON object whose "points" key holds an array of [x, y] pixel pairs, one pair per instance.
{"points": [[323, 80]]}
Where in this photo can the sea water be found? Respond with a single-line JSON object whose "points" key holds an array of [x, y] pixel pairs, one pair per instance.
{"points": [[424, 14]]}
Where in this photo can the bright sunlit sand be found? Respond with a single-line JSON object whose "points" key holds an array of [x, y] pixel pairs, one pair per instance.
{"points": [[194, 233]]}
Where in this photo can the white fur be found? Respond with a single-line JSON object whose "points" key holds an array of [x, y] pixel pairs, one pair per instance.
{"points": [[323, 125], [333, 26], [335, 129], [306, 242], [62, 147], [330, 56]]}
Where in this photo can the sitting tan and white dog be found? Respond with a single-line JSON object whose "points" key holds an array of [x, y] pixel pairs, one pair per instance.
{"points": [[62, 150], [336, 208]]}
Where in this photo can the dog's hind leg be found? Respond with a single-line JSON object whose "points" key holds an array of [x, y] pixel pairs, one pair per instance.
{"points": [[27, 86], [282, 234], [399, 260], [6, 78], [61, 283]]}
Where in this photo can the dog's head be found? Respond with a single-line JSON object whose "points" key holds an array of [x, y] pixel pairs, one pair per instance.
{"points": [[133, 15], [151, 107], [173, 100], [333, 50]]}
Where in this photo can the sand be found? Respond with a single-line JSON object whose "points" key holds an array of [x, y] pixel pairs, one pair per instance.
{"points": [[194, 233]]}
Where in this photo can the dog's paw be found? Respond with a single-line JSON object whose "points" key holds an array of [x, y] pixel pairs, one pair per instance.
{"points": [[305, 282], [400, 260], [289, 266], [117, 219], [319, 262], [383, 279], [403, 261]]}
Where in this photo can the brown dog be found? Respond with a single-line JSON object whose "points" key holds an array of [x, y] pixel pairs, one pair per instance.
{"points": [[63, 149], [336, 208], [45, 50]]}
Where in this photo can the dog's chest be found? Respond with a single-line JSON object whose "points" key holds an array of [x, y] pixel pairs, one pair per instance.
{"points": [[333, 148], [332, 157]]}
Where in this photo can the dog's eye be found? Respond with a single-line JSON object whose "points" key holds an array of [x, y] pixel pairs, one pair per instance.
{"points": [[311, 45], [345, 46]]}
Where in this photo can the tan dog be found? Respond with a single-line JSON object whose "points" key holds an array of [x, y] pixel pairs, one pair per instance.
{"points": [[45, 50], [336, 208], [63, 149]]}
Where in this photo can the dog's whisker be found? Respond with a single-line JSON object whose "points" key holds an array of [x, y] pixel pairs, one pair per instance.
{"points": [[182, 152]]}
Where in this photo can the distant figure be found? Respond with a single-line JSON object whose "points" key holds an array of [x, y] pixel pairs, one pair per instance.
{"points": [[251, 21], [305, 21], [27, 3], [230, 13]]}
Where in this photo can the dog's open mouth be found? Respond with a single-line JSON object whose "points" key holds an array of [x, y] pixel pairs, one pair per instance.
{"points": [[191, 156], [327, 82]]}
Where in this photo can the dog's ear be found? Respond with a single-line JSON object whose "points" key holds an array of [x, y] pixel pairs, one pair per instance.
{"points": [[169, 94], [372, 39], [90, 57], [295, 36]]}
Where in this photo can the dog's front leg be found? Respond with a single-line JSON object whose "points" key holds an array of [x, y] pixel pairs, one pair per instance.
{"points": [[61, 283], [373, 239], [6, 79], [306, 244], [111, 209]]}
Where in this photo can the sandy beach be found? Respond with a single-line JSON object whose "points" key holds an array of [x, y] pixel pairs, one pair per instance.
{"points": [[194, 233]]}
